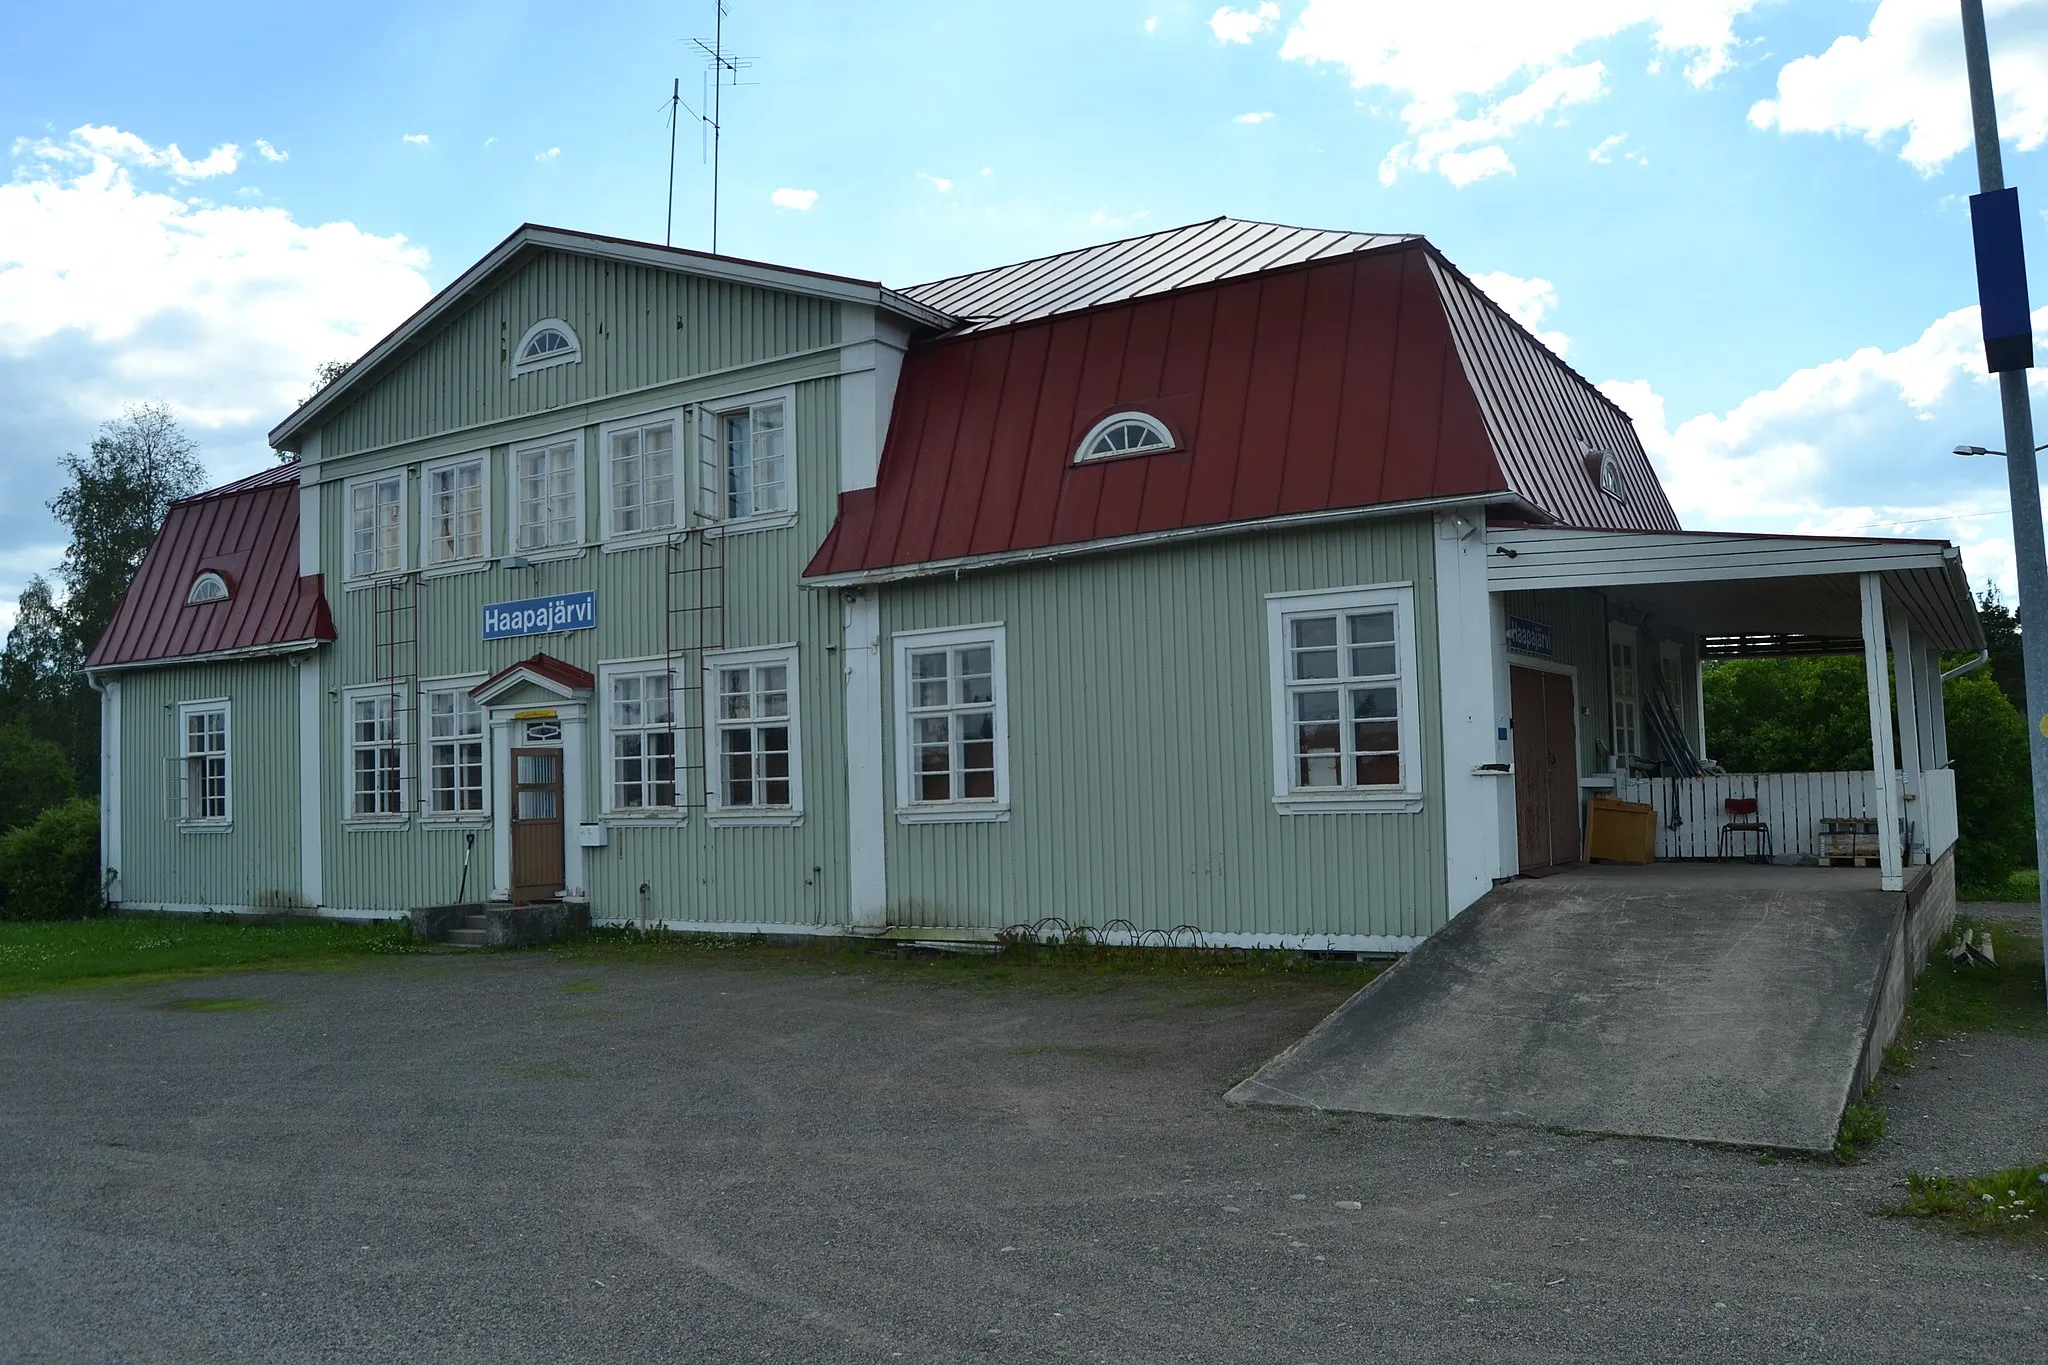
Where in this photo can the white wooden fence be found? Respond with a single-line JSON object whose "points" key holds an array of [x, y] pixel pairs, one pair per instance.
{"points": [[1691, 810]]}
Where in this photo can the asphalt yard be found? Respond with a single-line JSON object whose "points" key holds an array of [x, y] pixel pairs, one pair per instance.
{"points": [[510, 1158]]}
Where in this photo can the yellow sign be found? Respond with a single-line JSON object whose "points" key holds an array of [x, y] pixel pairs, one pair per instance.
{"points": [[2044, 727], [547, 714]]}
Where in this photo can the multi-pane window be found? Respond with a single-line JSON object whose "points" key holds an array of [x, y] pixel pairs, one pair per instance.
{"points": [[643, 478], [455, 752], [376, 755], [376, 525], [547, 505], [952, 729], [754, 461], [642, 739], [1344, 700], [1621, 677], [754, 733], [455, 512], [203, 753]]}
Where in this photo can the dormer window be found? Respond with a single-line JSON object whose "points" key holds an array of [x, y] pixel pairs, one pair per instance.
{"points": [[208, 587], [547, 343], [1606, 472], [1124, 433]]}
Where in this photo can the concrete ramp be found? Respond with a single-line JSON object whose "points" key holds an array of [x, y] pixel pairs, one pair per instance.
{"points": [[1707, 1002]]}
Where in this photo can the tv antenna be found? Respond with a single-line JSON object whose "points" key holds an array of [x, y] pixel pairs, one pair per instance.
{"points": [[721, 68]]}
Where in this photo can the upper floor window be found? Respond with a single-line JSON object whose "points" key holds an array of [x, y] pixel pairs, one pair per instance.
{"points": [[208, 587], [547, 343], [376, 525], [547, 495], [640, 477], [454, 512], [1606, 470], [1125, 433], [747, 461]]}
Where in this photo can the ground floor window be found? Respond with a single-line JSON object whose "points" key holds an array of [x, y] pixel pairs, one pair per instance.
{"points": [[456, 783], [1623, 696], [952, 724], [753, 732], [640, 739], [203, 763], [1343, 685], [376, 748]]}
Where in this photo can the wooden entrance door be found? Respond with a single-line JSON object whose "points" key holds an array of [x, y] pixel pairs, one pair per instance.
{"points": [[536, 825], [1546, 767]]}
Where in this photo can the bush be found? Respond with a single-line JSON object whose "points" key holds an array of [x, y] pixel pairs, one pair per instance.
{"points": [[50, 868], [1987, 744], [34, 776]]}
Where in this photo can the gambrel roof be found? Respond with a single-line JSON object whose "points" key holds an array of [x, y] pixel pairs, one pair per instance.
{"points": [[247, 532], [1306, 376]]}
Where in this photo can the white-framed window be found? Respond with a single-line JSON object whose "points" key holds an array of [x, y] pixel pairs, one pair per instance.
{"points": [[753, 734], [1624, 691], [207, 587], [640, 740], [1346, 735], [746, 452], [547, 494], [375, 722], [1124, 433], [643, 488], [203, 779], [458, 750], [952, 724], [1606, 471], [376, 524], [455, 511], [544, 345]]}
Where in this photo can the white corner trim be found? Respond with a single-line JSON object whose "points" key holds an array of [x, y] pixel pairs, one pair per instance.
{"points": [[866, 786], [1469, 654], [311, 860], [309, 515], [110, 789]]}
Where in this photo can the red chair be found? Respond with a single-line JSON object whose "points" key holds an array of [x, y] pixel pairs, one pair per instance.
{"points": [[1742, 819]]}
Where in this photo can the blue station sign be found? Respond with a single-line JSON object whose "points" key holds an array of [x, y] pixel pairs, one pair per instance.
{"points": [[1529, 637], [540, 615]]}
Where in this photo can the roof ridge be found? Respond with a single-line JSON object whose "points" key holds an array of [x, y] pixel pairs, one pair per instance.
{"points": [[286, 471], [1070, 251]]}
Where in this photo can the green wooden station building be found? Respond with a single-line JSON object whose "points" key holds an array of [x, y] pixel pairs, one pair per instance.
{"points": [[1259, 582]]}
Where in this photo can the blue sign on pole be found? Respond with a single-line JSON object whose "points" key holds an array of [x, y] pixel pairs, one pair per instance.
{"points": [[540, 615], [2002, 281]]}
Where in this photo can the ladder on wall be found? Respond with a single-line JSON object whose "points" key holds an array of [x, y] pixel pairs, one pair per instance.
{"points": [[693, 627], [395, 634]]}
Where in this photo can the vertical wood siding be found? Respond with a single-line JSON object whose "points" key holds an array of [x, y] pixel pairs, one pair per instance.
{"points": [[1141, 770], [257, 861], [1578, 623], [694, 872], [637, 326]]}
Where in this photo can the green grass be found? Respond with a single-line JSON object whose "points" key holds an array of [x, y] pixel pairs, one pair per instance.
{"points": [[45, 955], [1949, 999], [1863, 1123], [2010, 1203], [1228, 973], [2024, 885]]}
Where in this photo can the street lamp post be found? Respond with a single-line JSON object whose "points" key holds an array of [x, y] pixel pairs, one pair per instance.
{"points": [[2001, 286]]}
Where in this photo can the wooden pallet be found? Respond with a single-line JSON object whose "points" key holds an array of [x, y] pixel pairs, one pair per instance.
{"points": [[1850, 862]]}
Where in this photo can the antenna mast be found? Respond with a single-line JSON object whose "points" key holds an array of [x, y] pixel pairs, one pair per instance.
{"points": [[721, 68], [675, 100]]}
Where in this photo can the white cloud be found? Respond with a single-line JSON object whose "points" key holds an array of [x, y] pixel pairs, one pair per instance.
{"points": [[270, 153], [800, 200], [938, 182], [1603, 153], [118, 285], [118, 147], [549, 155], [1152, 23], [988, 170], [1857, 445], [418, 139], [1240, 25], [1905, 75], [1261, 116], [1527, 301], [1474, 74]]}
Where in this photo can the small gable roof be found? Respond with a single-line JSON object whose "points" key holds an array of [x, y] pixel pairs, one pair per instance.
{"points": [[248, 533], [556, 675]]}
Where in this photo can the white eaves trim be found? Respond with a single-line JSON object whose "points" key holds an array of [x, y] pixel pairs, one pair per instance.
{"points": [[1528, 559], [727, 268], [214, 656]]}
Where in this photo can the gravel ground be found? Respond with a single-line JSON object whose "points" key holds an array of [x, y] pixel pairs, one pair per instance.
{"points": [[501, 1158]]}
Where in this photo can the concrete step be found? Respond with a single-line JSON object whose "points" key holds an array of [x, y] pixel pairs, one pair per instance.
{"points": [[478, 921], [466, 938]]}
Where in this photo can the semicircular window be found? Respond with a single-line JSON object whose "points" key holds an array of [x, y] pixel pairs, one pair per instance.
{"points": [[547, 343], [1125, 433], [208, 587]]}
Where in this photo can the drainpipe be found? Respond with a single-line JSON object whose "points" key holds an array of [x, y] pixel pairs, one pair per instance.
{"points": [[1983, 658]]}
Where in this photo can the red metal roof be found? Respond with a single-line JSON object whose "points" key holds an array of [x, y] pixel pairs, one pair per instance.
{"points": [[1372, 378], [248, 533], [546, 666]]}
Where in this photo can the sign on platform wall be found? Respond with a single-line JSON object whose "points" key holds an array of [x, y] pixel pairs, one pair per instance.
{"points": [[540, 615], [1529, 637]]}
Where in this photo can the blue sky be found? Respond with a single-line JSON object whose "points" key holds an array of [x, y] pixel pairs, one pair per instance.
{"points": [[1745, 218]]}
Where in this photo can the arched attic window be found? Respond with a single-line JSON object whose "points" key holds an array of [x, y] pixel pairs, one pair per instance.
{"points": [[1124, 433], [208, 587], [1605, 470], [547, 343]]}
